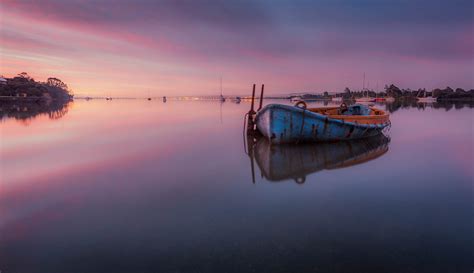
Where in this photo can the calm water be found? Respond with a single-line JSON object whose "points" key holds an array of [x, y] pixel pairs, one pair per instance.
{"points": [[139, 186]]}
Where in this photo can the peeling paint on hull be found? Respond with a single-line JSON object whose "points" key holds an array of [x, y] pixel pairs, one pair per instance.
{"points": [[289, 124]]}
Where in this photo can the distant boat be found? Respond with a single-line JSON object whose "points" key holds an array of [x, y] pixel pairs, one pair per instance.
{"points": [[237, 99], [427, 99], [336, 99], [366, 98], [379, 99], [283, 162], [164, 98], [221, 98], [296, 99], [292, 124], [149, 98], [384, 99]]}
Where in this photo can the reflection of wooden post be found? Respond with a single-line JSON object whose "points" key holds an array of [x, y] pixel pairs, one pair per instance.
{"points": [[250, 146], [251, 131], [250, 124], [253, 170]]}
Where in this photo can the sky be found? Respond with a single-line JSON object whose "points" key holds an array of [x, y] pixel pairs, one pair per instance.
{"points": [[146, 48]]}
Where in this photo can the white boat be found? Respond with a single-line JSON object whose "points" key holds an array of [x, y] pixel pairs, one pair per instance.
{"points": [[296, 99], [389, 99], [426, 99], [337, 99], [365, 98]]}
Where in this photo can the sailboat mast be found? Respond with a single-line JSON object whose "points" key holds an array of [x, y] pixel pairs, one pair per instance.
{"points": [[221, 86], [363, 82]]}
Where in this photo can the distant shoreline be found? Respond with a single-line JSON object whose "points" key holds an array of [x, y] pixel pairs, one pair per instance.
{"points": [[205, 98]]}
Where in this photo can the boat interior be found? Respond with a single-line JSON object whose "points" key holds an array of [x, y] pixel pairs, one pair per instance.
{"points": [[357, 113]]}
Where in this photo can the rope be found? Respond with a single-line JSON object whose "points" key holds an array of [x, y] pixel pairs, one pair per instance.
{"points": [[386, 130], [244, 135]]}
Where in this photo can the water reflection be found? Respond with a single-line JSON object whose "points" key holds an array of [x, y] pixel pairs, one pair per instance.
{"points": [[283, 162], [154, 189], [405, 104], [25, 111]]}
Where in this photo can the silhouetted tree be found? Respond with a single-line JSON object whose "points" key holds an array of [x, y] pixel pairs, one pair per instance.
{"points": [[55, 82]]}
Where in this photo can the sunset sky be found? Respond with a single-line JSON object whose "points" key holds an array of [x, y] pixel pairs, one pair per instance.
{"points": [[153, 48]]}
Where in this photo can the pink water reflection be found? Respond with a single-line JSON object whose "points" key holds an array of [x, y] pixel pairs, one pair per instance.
{"points": [[160, 179]]}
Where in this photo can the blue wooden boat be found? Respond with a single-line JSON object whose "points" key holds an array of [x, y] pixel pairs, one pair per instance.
{"points": [[293, 124]]}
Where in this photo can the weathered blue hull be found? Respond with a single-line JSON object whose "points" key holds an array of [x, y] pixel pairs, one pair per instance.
{"points": [[290, 124]]}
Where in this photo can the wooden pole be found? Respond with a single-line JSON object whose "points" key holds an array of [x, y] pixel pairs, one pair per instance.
{"points": [[253, 99], [251, 114], [261, 98]]}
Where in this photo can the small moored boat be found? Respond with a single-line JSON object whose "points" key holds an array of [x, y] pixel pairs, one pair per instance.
{"points": [[292, 124]]}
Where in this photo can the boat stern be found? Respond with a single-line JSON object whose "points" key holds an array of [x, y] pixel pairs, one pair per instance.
{"points": [[280, 123]]}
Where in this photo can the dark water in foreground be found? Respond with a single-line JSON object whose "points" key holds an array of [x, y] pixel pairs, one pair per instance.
{"points": [[138, 186]]}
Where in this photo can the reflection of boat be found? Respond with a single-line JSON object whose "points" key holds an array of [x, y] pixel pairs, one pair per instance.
{"points": [[237, 100], [281, 162], [291, 124]]}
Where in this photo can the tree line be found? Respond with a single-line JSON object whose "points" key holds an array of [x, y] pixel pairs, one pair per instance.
{"points": [[24, 86], [393, 91]]}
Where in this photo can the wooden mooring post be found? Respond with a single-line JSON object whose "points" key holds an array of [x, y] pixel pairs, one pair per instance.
{"points": [[251, 128], [251, 114], [261, 98]]}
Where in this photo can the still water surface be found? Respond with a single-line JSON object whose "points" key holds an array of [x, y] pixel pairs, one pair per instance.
{"points": [[146, 186]]}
